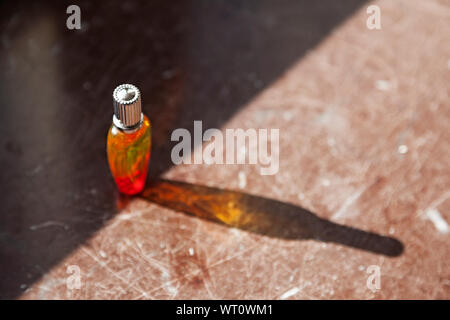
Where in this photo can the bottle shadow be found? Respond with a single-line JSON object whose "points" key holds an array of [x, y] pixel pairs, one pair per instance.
{"points": [[264, 216]]}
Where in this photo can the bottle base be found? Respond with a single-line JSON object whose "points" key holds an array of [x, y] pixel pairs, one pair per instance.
{"points": [[131, 187]]}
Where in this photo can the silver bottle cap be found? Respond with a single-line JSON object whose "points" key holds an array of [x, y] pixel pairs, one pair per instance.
{"points": [[127, 106]]}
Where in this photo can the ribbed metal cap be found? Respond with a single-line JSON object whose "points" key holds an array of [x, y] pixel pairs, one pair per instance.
{"points": [[127, 106]]}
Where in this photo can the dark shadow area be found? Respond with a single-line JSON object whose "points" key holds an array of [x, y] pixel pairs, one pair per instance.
{"points": [[264, 216], [192, 60]]}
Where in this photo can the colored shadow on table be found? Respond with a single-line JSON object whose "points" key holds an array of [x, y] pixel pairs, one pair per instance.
{"points": [[264, 216]]}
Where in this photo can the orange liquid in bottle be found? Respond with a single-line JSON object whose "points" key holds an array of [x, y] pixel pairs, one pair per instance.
{"points": [[128, 157]]}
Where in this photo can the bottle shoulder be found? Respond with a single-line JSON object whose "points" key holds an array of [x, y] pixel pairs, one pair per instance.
{"points": [[147, 123], [116, 133]]}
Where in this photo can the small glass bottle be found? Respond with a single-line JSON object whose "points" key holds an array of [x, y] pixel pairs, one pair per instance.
{"points": [[129, 141]]}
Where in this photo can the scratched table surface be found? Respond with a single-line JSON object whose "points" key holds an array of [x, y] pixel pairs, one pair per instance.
{"points": [[364, 167]]}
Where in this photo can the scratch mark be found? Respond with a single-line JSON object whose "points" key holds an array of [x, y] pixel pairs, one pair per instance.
{"points": [[198, 271], [290, 293], [439, 223], [104, 265], [348, 202], [441, 199], [49, 224]]}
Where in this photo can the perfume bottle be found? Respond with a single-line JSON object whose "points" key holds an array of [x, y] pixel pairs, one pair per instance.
{"points": [[129, 141]]}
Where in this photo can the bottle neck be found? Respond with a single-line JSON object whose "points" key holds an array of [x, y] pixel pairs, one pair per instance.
{"points": [[128, 129]]}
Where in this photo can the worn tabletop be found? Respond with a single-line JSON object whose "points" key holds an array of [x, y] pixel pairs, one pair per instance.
{"points": [[364, 150]]}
